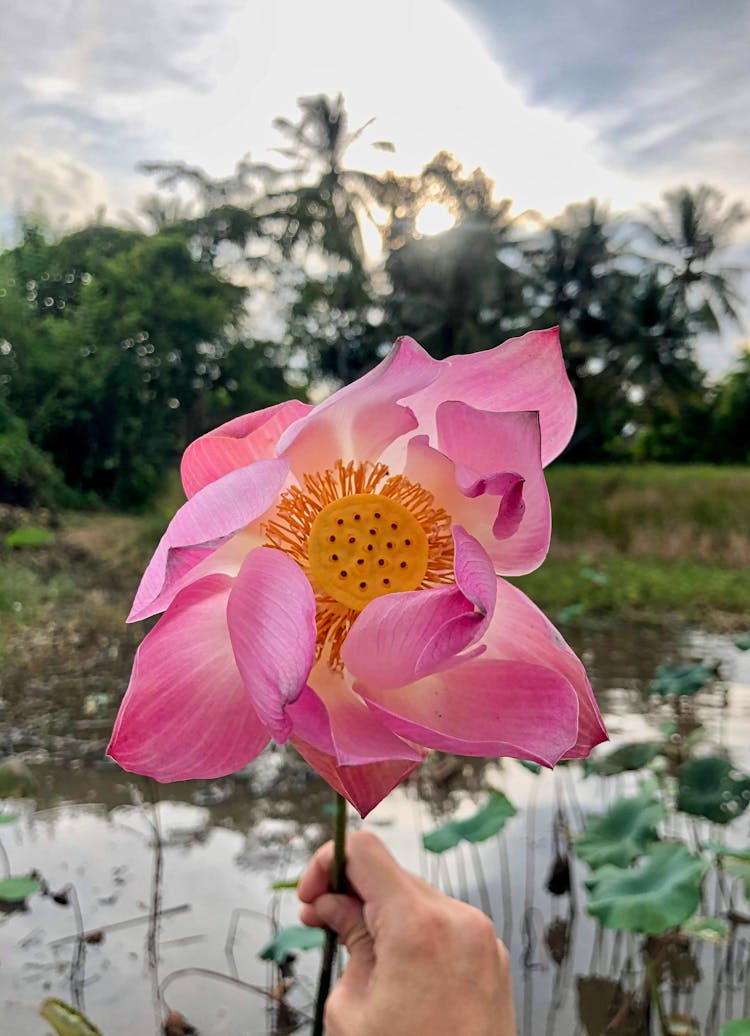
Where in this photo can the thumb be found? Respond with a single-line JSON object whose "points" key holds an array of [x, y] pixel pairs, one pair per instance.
{"points": [[345, 916]]}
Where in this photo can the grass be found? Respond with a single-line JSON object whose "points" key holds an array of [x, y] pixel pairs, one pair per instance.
{"points": [[643, 544], [652, 511], [641, 590]]}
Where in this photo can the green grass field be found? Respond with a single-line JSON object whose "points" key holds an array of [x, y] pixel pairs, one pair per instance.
{"points": [[644, 544]]}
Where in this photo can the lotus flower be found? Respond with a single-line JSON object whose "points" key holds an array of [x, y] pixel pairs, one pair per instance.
{"points": [[334, 580]]}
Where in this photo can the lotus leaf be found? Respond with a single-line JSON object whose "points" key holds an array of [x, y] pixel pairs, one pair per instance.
{"points": [[288, 940], [16, 889], [711, 787], [8, 818], [632, 756], [622, 833], [739, 1028], [660, 892], [707, 929], [680, 680], [486, 822], [66, 1020], [742, 642]]}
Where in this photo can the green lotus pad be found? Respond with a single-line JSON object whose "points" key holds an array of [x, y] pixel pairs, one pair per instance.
{"points": [[680, 680], [660, 892], [632, 756], [66, 1020], [707, 929], [711, 787], [16, 889], [290, 940], [486, 822], [622, 833], [738, 1028]]}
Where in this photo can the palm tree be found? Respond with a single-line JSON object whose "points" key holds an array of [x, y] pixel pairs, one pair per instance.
{"points": [[326, 202], [456, 291], [690, 231]]}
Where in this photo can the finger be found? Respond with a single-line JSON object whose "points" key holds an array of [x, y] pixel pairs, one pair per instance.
{"points": [[345, 916], [370, 869], [317, 876]]}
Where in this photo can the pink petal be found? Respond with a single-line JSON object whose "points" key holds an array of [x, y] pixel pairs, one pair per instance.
{"points": [[363, 786], [237, 443], [332, 718], [360, 420], [186, 712], [500, 453], [526, 373], [519, 630], [205, 521], [271, 617], [188, 564], [486, 708], [401, 637]]}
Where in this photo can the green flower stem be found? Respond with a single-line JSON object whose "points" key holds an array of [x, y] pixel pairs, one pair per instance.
{"points": [[338, 884]]}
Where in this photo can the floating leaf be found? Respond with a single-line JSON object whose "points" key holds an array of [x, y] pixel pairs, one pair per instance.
{"points": [[742, 642], [632, 756], [593, 575], [622, 833], [724, 850], [66, 1020], [739, 868], [16, 889], [707, 929], [739, 1028], [29, 536], [289, 940], [711, 787], [281, 886], [534, 768], [660, 892], [569, 613], [8, 818], [486, 822], [16, 779], [680, 680]]}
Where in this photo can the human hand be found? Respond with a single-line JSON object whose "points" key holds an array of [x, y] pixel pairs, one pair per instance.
{"points": [[421, 964]]}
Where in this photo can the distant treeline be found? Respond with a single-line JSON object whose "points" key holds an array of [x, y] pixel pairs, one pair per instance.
{"points": [[119, 344]]}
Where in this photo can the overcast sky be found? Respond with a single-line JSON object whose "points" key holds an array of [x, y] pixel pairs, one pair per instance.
{"points": [[556, 101]]}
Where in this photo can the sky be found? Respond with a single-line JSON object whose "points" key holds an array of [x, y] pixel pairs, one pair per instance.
{"points": [[557, 102]]}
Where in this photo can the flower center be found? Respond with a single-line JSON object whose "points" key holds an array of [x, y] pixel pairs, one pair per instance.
{"points": [[366, 545], [359, 532]]}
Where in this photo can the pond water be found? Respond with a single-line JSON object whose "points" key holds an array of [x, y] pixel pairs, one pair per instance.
{"points": [[210, 851]]}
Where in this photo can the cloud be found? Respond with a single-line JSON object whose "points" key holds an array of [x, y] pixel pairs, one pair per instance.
{"points": [[57, 189], [665, 82]]}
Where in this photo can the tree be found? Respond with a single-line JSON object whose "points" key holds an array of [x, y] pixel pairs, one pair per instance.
{"points": [[461, 290], [139, 349], [690, 231]]}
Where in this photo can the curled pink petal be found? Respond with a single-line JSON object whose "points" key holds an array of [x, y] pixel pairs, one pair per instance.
{"points": [[520, 631], [502, 453], [526, 373], [237, 443], [486, 708], [186, 712], [506, 509], [401, 637], [204, 522], [188, 564], [271, 618], [360, 420], [363, 786]]}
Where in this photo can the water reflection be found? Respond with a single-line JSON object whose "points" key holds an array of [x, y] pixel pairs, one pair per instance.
{"points": [[223, 843]]}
